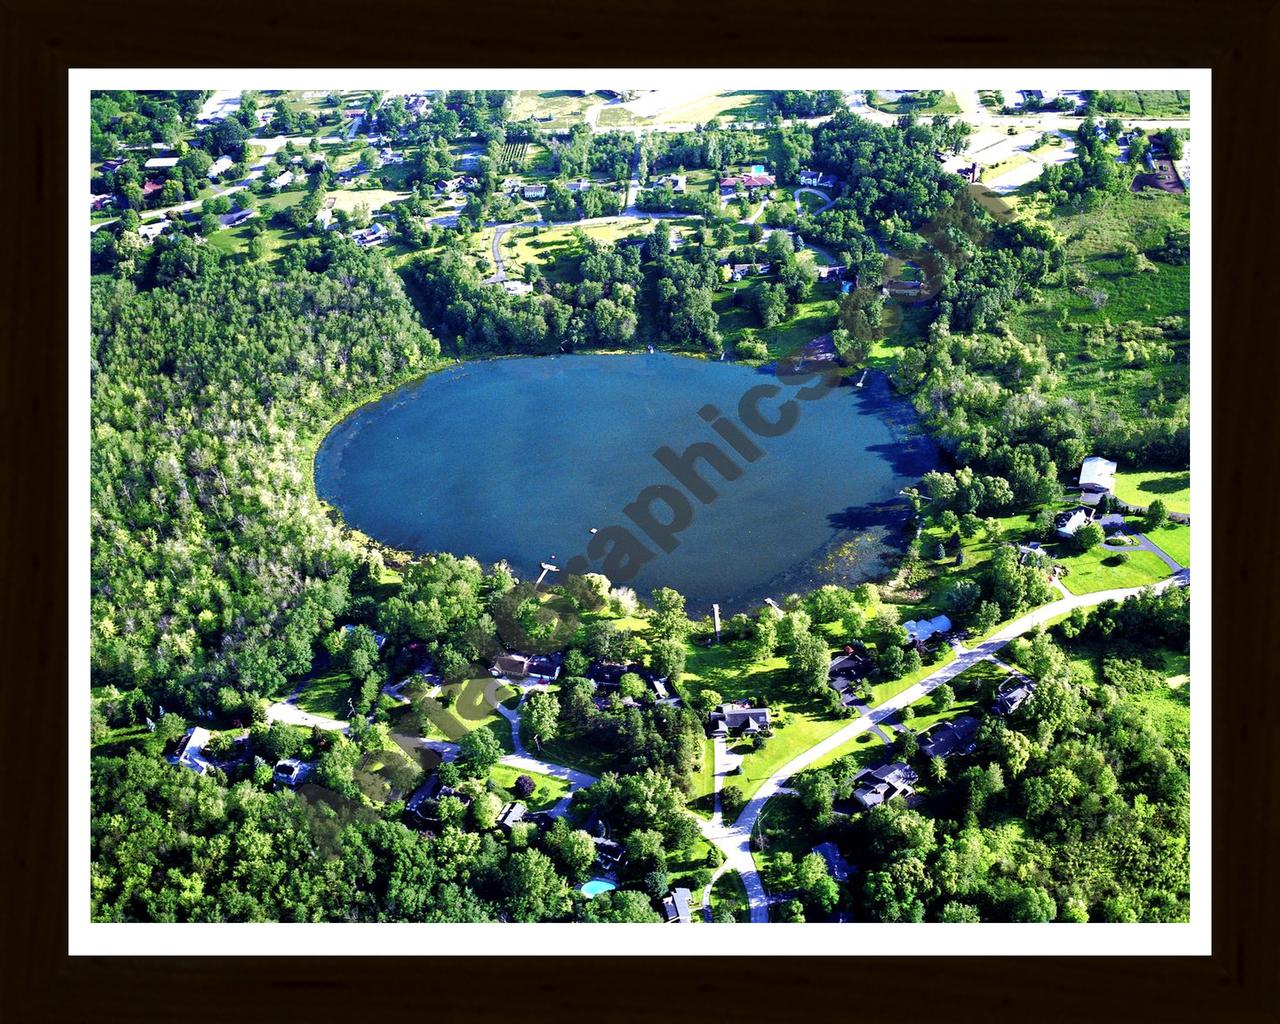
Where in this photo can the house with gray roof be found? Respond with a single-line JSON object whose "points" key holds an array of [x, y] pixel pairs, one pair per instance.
{"points": [[739, 719], [953, 737], [675, 907], [874, 786], [1013, 697]]}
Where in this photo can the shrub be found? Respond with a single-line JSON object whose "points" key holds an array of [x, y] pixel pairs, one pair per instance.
{"points": [[523, 787]]}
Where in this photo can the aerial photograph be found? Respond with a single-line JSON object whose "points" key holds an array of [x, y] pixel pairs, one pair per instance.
{"points": [[654, 505]]}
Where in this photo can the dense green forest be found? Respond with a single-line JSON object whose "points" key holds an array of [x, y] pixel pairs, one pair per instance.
{"points": [[213, 562], [1075, 808]]}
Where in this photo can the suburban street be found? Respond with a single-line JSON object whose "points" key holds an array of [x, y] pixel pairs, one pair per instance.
{"points": [[734, 840]]}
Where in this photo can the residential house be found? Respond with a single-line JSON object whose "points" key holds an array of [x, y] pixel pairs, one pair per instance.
{"points": [[1013, 697], [510, 815], [515, 665], [609, 854], [923, 629], [374, 234], [283, 180], [291, 772], [417, 804], [101, 202], [675, 907], [846, 671], [678, 183], [953, 737], [609, 674], [1097, 477], [220, 166], [874, 786], [230, 220], [816, 179], [512, 287], [161, 163], [740, 719], [1067, 523], [836, 864], [190, 751], [534, 191], [153, 229], [150, 187]]}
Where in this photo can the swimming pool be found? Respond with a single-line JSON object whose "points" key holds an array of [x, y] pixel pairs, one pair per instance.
{"points": [[596, 886]]}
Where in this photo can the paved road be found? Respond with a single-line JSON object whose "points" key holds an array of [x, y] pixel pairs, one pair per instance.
{"points": [[1117, 523], [734, 840]]}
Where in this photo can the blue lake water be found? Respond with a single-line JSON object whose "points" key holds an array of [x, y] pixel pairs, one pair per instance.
{"points": [[518, 459]]}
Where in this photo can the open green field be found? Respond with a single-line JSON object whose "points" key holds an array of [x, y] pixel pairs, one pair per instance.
{"points": [[374, 198], [547, 789], [1151, 102], [740, 105], [946, 104], [565, 107], [1174, 539], [1092, 240], [470, 710], [1173, 487], [1098, 569]]}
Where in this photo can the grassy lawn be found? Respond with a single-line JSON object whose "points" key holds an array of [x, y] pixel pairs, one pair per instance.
{"points": [[728, 892], [993, 172], [881, 692], [570, 752], [787, 828], [547, 789], [1173, 487], [1091, 572], [1174, 539], [903, 105], [802, 730], [867, 747], [327, 694], [470, 710], [702, 799], [374, 198]]}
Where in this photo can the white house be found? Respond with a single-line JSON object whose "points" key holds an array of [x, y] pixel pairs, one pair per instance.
{"points": [[1068, 522], [220, 166], [283, 180], [190, 752], [1097, 475], [161, 161], [920, 630]]}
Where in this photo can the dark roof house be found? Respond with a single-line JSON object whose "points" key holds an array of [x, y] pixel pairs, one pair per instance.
{"points": [[739, 718], [1009, 700], [953, 737], [874, 786]]}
